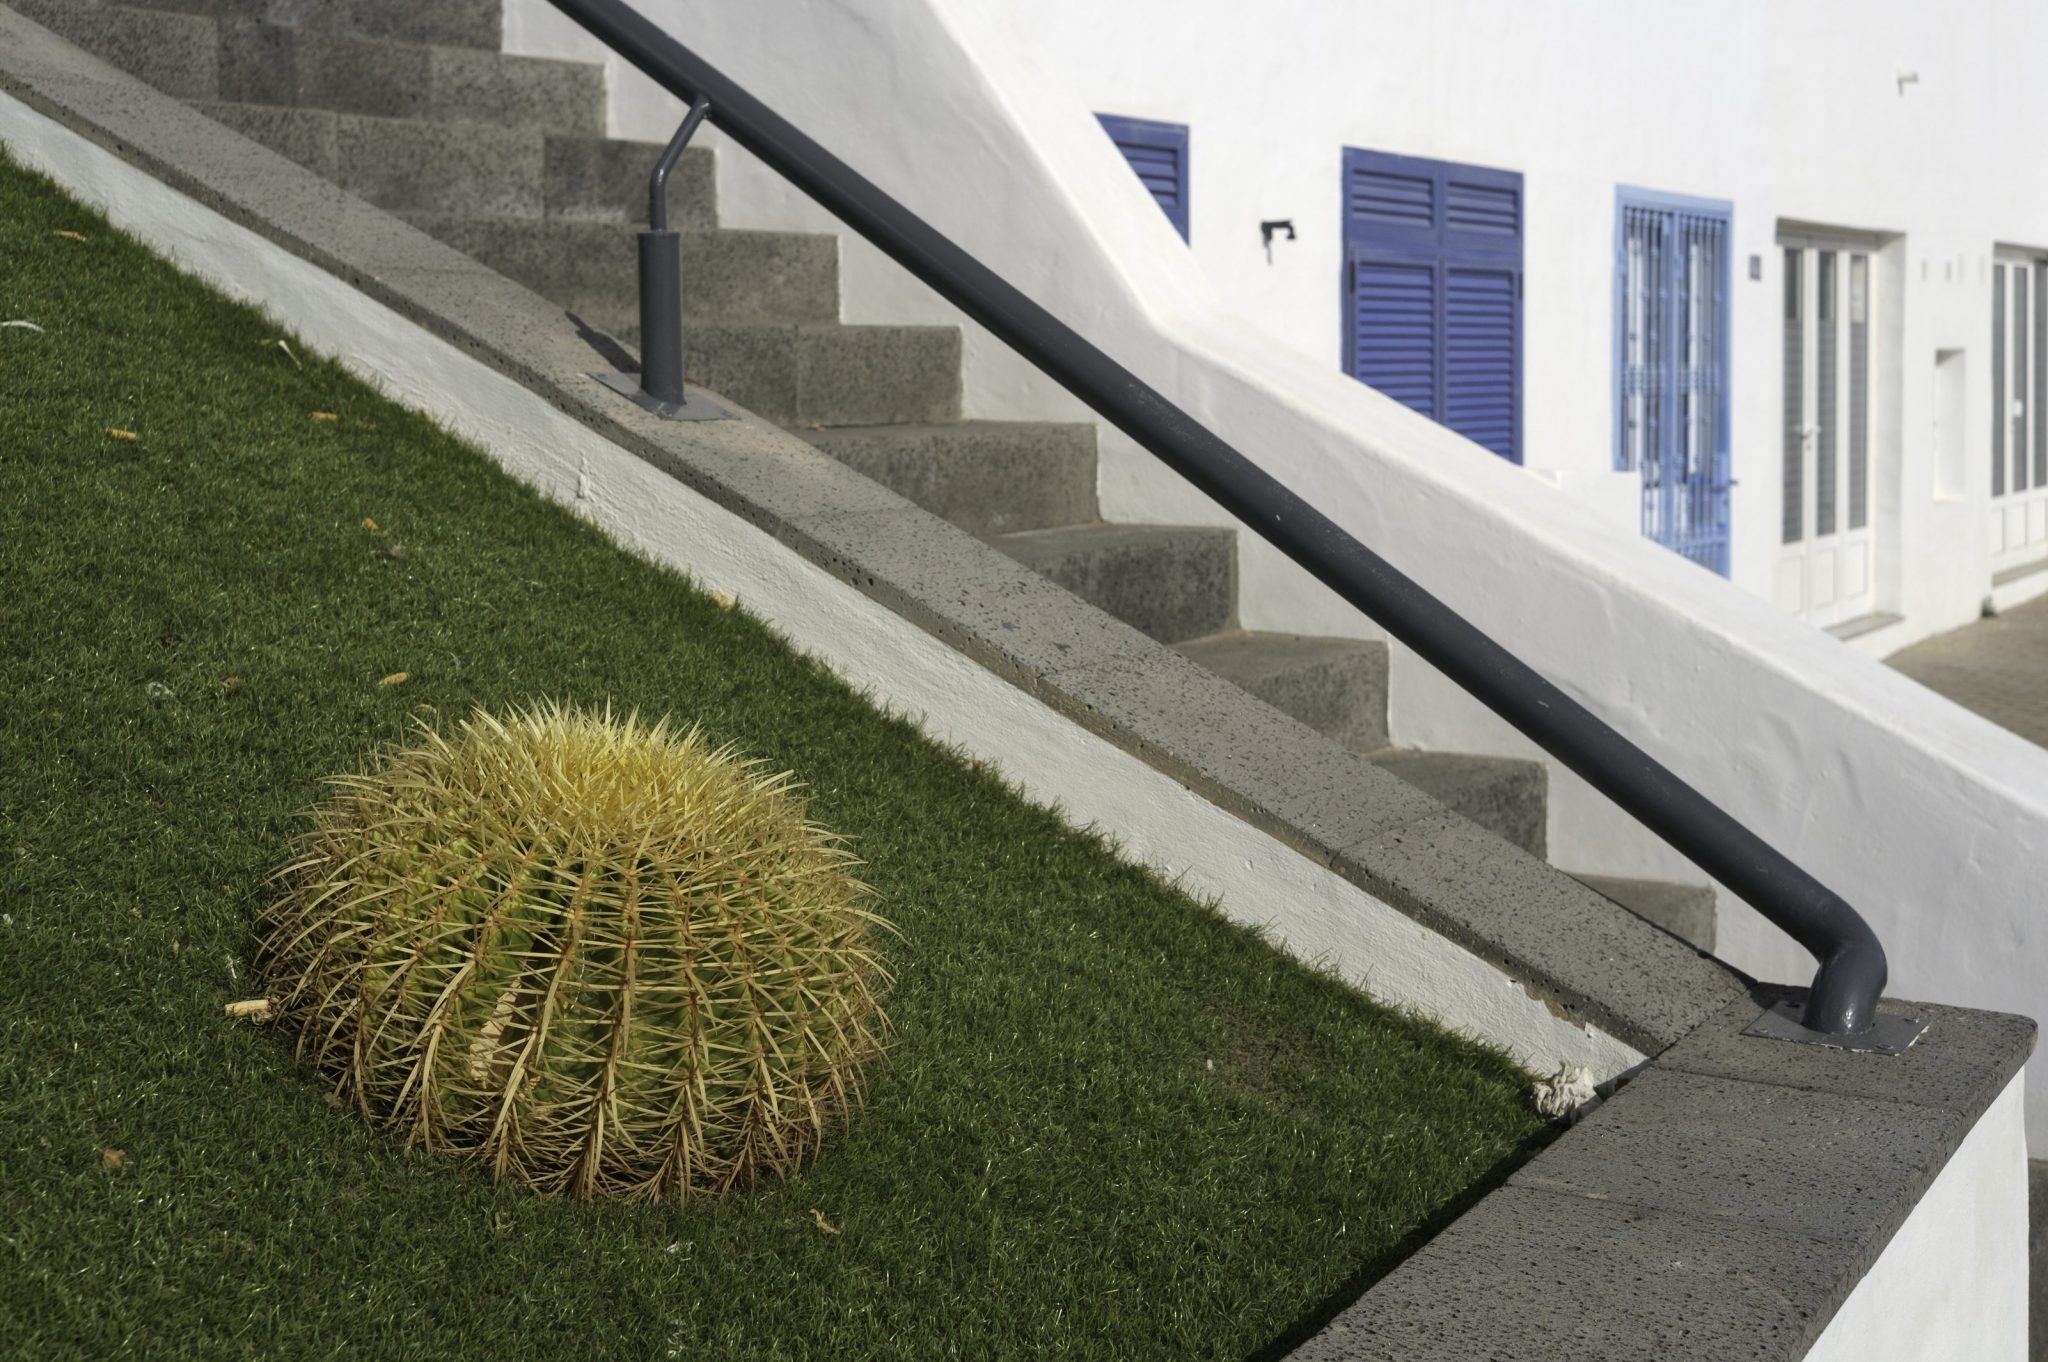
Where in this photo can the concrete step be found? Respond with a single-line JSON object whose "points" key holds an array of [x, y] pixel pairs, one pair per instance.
{"points": [[1337, 686], [987, 477], [592, 268], [1507, 796], [1684, 910], [605, 179], [177, 53], [265, 63], [403, 164], [1174, 582], [421, 165], [209, 8], [817, 377], [452, 23]]}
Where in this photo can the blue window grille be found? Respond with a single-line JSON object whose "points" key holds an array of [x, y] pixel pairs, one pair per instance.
{"points": [[1433, 291], [1158, 152], [1672, 272]]}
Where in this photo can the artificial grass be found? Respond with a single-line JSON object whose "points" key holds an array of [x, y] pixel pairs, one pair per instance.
{"points": [[1111, 1124]]}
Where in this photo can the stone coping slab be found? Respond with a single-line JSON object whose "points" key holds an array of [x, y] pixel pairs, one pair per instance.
{"points": [[1721, 1205], [1591, 962]]}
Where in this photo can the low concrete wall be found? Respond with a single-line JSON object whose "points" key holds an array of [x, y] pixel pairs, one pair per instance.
{"points": [[1931, 821], [1744, 1198], [1952, 1283]]}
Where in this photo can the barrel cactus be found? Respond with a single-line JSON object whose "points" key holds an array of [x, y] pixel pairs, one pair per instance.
{"points": [[598, 955]]}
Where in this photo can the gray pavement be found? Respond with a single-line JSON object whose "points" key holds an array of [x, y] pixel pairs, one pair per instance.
{"points": [[1997, 667], [2037, 1254]]}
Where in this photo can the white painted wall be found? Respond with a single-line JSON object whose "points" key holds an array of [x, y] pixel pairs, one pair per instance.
{"points": [[1932, 821], [1792, 112], [1952, 1284], [1306, 908]]}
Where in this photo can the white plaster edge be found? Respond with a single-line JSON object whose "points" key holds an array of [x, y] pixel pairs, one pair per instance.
{"points": [[1952, 1283], [1307, 909]]}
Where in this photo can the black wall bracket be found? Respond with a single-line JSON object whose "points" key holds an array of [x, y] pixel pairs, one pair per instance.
{"points": [[1267, 230]]}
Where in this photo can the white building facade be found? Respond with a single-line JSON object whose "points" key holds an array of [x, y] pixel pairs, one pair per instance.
{"points": [[1761, 279]]}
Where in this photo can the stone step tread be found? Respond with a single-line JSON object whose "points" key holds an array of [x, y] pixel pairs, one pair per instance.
{"points": [[729, 274], [1684, 910], [464, 167], [1337, 686], [267, 63], [1172, 582], [461, 23], [605, 179], [175, 52], [819, 376], [987, 477], [1508, 796]]}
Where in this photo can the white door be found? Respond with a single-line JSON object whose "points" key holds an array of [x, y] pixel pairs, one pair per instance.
{"points": [[1827, 570], [2019, 437]]}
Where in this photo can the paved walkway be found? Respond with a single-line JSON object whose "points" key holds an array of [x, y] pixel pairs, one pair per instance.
{"points": [[1997, 667]]}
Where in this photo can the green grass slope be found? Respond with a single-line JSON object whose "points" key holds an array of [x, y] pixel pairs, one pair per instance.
{"points": [[1112, 1125]]}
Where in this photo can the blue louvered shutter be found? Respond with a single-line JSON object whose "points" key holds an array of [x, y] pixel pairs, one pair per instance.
{"points": [[1158, 152], [1434, 291]]}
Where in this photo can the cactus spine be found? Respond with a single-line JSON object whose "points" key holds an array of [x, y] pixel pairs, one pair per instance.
{"points": [[598, 955]]}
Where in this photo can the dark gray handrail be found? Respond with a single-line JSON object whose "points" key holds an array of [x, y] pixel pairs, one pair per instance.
{"points": [[1843, 999]]}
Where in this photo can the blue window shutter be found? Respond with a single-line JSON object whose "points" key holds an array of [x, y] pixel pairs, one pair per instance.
{"points": [[1482, 321], [1158, 152], [1393, 331], [1434, 291]]}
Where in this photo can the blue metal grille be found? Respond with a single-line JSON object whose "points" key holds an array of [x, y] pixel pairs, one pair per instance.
{"points": [[1672, 272]]}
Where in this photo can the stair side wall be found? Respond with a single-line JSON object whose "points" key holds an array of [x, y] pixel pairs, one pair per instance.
{"points": [[1933, 822]]}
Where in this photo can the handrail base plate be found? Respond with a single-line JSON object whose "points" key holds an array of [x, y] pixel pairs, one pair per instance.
{"points": [[1887, 1035], [695, 407]]}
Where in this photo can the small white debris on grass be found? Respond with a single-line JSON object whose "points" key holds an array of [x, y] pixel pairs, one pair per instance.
{"points": [[254, 1009], [1567, 1094], [25, 326]]}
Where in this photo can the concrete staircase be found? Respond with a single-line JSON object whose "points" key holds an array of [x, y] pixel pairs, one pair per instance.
{"points": [[410, 105]]}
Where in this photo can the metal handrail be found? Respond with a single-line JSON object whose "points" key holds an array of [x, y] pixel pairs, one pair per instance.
{"points": [[1842, 1003]]}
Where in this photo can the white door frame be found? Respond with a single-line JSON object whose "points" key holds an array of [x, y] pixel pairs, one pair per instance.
{"points": [[1830, 550], [2017, 523]]}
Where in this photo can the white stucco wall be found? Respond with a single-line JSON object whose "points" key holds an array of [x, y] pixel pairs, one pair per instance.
{"points": [[1933, 822], [1952, 1284], [1792, 113]]}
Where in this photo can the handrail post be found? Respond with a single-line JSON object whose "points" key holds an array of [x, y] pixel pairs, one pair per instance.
{"points": [[658, 387], [661, 276]]}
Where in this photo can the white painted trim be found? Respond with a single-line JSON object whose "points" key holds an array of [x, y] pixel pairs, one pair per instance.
{"points": [[1952, 1283], [1314, 913]]}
